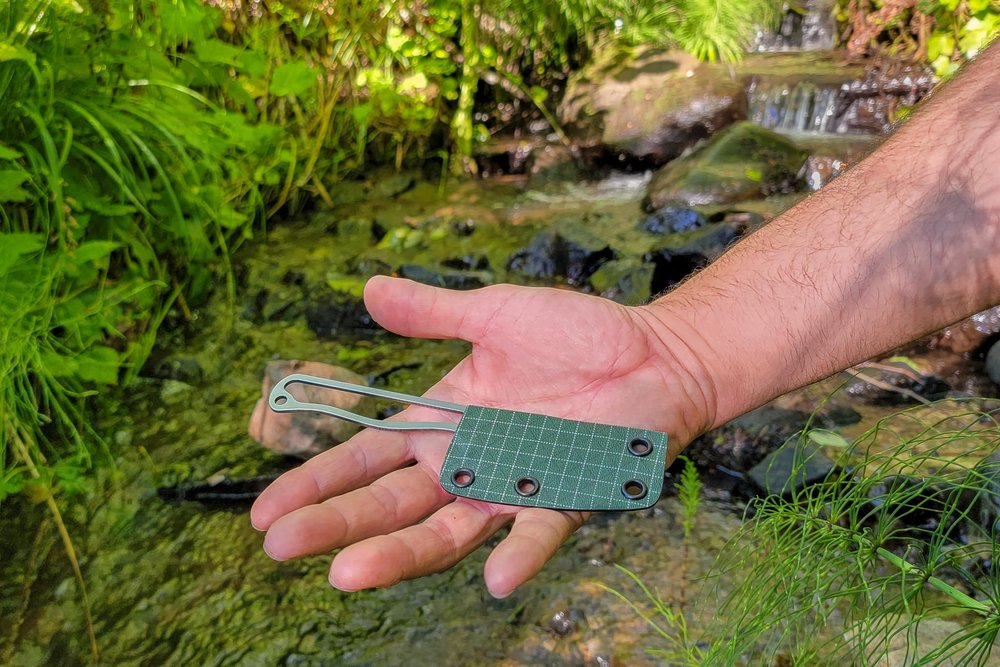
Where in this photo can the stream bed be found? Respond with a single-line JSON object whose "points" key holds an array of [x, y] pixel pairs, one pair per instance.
{"points": [[173, 581]]}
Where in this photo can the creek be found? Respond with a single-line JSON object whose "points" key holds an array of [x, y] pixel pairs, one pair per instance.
{"points": [[174, 581]]}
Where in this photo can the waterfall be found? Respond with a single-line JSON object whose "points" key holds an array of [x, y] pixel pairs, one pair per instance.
{"points": [[799, 107], [809, 27], [859, 106]]}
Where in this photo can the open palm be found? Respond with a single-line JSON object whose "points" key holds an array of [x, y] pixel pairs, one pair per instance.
{"points": [[545, 351]]}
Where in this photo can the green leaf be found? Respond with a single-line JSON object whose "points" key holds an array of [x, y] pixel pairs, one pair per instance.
{"points": [[7, 153], [293, 78], [230, 218], [217, 51], [99, 365], [977, 33], [754, 175], [939, 44], [91, 251], [416, 81], [10, 185], [395, 40], [15, 245], [58, 365], [10, 52], [825, 438]]}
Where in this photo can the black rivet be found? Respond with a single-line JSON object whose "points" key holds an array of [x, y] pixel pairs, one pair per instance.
{"points": [[639, 447], [463, 477], [633, 489], [527, 486]]}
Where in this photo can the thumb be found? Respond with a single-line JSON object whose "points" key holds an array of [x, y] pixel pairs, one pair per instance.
{"points": [[421, 311]]}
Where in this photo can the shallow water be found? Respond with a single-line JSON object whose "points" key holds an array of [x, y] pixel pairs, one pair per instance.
{"points": [[179, 583]]}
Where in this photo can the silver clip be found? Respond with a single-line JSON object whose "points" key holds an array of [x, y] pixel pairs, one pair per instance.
{"points": [[281, 400]]}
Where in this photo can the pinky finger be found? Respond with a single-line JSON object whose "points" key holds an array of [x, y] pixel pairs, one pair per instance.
{"points": [[534, 538]]}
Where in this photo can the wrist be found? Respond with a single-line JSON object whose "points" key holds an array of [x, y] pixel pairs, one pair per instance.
{"points": [[685, 361]]}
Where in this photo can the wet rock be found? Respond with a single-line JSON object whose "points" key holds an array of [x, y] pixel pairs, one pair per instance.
{"points": [[565, 621], [920, 643], [175, 391], [971, 334], [357, 230], [672, 218], [742, 162], [553, 164], [441, 277], [471, 262], [569, 251], [986, 476], [303, 434], [179, 367], [626, 281], [745, 441], [871, 104], [650, 109], [838, 415], [684, 253], [919, 504], [895, 383], [219, 493], [819, 170], [993, 363], [334, 315], [393, 185], [791, 467]]}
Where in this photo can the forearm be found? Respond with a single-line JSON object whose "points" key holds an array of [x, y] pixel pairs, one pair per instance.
{"points": [[904, 243]]}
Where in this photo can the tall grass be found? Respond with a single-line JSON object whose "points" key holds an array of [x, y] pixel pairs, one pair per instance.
{"points": [[846, 571]]}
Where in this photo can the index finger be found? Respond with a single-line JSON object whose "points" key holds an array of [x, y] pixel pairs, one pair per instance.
{"points": [[361, 460]]}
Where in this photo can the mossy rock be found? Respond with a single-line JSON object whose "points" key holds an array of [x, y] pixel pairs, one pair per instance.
{"points": [[650, 105], [743, 162]]}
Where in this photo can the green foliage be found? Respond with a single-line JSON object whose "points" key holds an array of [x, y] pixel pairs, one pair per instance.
{"points": [[944, 33], [689, 495], [833, 573], [141, 141]]}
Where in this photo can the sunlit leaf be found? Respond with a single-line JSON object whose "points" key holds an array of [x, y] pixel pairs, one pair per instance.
{"points": [[15, 245], [99, 364], [10, 185], [825, 438], [294, 78], [10, 52]]}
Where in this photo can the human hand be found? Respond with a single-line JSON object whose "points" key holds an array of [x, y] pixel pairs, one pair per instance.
{"points": [[546, 351]]}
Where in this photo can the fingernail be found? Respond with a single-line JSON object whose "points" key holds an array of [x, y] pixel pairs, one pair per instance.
{"points": [[269, 554]]}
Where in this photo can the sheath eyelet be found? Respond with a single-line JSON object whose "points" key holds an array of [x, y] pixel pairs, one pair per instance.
{"points": [[634, 489], [463, 477], [527, 486], [639, 447]]}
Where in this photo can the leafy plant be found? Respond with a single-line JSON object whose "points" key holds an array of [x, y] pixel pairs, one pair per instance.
{"points": [[944, 33], [835, 571], [846, 571], [669, 619]]}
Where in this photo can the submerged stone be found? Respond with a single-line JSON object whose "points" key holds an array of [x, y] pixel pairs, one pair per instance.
{"points": [[335, 315], [791, 467], [305, 434], [742, 162], [684, 253], [745, 441], [626, 281], [896, 383], [448, 278], [672, 218], [568, 251], [652, 107]]}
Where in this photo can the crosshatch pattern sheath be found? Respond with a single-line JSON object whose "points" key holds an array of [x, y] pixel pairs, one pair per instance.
{"points": [[520, 458]]}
